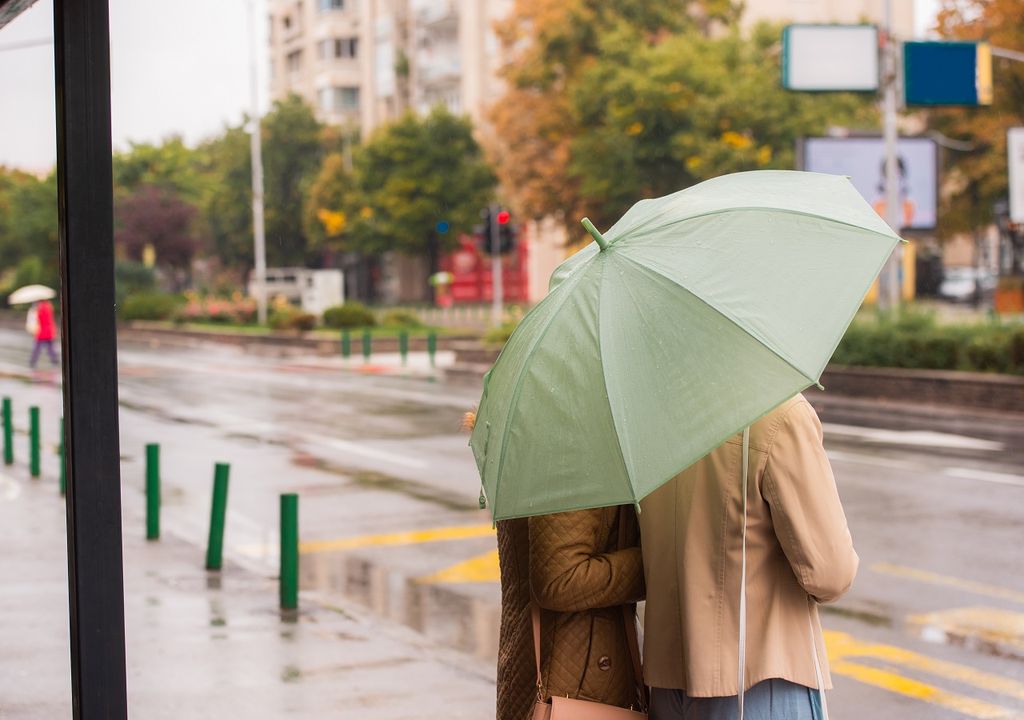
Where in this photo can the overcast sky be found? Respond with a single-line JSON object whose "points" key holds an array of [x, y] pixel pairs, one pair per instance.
{"points": [[178, 67]]}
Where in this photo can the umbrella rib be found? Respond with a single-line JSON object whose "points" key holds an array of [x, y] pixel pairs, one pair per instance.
{"points": [[742, 326], [637, 232], [608, 395], [514, 402]]}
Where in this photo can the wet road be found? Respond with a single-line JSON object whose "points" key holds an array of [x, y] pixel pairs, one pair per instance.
{"points": [[934, 626]]}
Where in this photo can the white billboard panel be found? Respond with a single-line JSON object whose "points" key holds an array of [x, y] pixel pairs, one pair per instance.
{"points": [[863, 160], [1015, 160], [830, 57]]}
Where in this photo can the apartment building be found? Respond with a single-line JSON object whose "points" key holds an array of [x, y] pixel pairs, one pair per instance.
{"points": [[364, 62]]}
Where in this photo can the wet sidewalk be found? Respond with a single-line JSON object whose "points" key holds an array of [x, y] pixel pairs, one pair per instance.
{"points": [[210, 645]]}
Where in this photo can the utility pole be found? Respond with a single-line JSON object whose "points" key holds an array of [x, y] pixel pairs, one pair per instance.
{"points": [[259, 234], [497, 285], [888, 280]]}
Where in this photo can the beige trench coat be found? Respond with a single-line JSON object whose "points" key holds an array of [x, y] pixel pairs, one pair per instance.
{"points": [[799, 553]]}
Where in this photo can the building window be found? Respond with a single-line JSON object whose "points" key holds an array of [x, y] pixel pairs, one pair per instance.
{"points": [[293, 62], [338, 48], [331, 5], [287, 22], [339, 99]]}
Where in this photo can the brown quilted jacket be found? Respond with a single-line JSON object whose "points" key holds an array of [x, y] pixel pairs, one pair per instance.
{"points": [[580, 578]]}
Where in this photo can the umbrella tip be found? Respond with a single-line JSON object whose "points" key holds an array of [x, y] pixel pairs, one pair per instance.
{"points": [[598, 237]]}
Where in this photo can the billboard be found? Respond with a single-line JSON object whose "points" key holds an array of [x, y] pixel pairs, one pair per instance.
{"points": [[830, 58], [862, 159], [947, 73], [1015, 160]]}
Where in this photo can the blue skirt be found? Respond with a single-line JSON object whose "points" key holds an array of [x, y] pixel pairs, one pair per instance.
{"points": [[768, 700]]}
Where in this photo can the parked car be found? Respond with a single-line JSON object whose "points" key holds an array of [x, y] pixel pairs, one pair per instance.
{"points": [[965, 284]]}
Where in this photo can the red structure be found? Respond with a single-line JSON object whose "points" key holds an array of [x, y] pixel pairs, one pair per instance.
{"points": [[471, 270]]}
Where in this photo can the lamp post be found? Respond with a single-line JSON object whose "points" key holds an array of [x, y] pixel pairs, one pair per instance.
{"points": [[259, 238]]}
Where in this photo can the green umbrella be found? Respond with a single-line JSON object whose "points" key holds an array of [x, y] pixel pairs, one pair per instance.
{"points": [[693, 316]]}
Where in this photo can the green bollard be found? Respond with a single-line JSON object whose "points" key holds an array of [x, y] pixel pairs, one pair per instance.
{"points": [[152, 491], [367, 339], [403, 346], [218, 511], [63, 469], [289, 551], [33, 441], [432, 348], [346, 344], [8, 433]]}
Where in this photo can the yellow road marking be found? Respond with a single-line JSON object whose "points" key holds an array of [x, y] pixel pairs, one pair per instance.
{"points": [[411, 537], [483, 568], [889, 680], [989, 625], [842, 646], [936, 579]]}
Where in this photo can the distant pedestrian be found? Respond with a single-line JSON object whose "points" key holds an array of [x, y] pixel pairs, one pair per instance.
{"points": [[45, 331], [797, 553]]}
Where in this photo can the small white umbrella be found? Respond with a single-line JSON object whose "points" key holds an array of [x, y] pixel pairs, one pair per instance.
{"points": [[31, 294]]}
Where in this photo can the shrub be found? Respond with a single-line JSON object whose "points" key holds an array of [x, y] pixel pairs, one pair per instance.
{"points": [[283, 317], [303, 321], [499, 335], [401, 318], [349, 315], [149, 306]]}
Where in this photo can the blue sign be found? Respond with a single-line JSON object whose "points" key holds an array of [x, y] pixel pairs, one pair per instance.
{"points": [[443, 226], [947, 73]]}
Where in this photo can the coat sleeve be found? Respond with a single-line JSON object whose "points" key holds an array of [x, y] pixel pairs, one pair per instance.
{"points": [[568, 571], [808, 516]]}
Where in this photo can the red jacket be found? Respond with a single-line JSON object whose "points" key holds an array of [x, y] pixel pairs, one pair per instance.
{"points": [[44, 315]]}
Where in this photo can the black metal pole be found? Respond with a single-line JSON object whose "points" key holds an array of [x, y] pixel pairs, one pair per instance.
{"points": [[89, 339]]}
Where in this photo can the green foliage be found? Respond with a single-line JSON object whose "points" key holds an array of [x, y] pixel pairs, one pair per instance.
{"points": [[349, 315], [498, 336], [149, 306], [410, 175], [28, 225], [292, 151], [402, 319], [324, 218], [131, 278], [915, 340], [658, 117], [288, 317], [171, 166]]}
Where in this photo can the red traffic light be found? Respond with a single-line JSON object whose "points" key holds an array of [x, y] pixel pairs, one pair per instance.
{"points": [[503, 217]]}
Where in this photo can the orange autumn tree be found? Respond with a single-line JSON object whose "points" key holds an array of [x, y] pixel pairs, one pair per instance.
{"points": [[549, 44], [978, 177]]}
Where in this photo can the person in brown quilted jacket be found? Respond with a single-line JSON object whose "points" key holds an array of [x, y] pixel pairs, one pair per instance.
{"points": [[572, 565]]}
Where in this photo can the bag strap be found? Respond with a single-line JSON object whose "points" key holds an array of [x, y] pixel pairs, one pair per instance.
{"points": [[629, 621], [535, 615], [742, 664]]}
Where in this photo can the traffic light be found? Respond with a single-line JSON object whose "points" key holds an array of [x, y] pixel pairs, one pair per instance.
{"points": [[506, 231]]}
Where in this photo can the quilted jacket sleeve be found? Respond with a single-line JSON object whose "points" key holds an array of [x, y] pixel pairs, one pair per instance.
{"points": [[808, 516], [570, 567]]}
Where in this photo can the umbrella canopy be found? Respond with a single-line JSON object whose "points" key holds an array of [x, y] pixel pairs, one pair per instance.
{"points": [[693, 316], [31, 294]]}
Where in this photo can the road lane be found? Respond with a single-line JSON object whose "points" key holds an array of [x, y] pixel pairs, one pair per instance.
{"points": [[389, 513]]}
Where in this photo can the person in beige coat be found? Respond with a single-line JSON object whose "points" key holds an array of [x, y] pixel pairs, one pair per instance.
{"points": [[798, 553]]}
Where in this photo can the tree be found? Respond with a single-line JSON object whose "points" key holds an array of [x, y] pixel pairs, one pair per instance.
{"points": [[325, 220], [550, 44], [659, 116], [156, 217], [410, 176], [292, 152], [227, 204], [615, 102], [977, 178], [28, 224], [171, 165]]}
